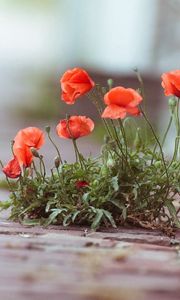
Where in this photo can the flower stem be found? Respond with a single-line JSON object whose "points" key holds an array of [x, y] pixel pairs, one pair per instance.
{"points": [[42, 166], [177, 123], [167, 130], [159, 144], [79, 155], [92, 97], [75, 149], [123, 135], [52, 142]]}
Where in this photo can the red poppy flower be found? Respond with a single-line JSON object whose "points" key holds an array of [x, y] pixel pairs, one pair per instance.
{"points": [[120, 102], [75, 83], [23, 141], [81, 183], [12, 169], [171, 83], [75, 127], [23, 154], [30, 136]]}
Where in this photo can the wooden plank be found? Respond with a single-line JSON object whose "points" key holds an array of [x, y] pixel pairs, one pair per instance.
{"points": [[76, 263]]}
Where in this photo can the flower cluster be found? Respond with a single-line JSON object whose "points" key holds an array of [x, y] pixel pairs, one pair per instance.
{"points": [[120, 160]]}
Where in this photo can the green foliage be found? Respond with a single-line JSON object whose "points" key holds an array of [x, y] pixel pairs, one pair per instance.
{"points": [[136, 192], [4, 184]]}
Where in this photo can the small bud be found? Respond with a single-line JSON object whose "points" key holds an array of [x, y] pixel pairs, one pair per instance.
{"points": [[12, 143], [110, 83], [110, 163], [138, 140], [172, 102], [135, 69], [104, 90], [106, 139], [48, 129], [158, 164], [34, 152], [57, 162], [67, 116]]}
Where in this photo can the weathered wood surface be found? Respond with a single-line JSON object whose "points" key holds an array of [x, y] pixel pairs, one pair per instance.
{"points": [[57, 263]]}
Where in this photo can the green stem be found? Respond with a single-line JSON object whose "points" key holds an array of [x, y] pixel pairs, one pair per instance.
{"points": [[116, 138], [123, 135], [142, 88], [58, 152], [79, 156], [92, 97], [177, 122], [141, 82], [77, 153], [75, 149], [42, 167], [159, 144], [176, 146], [167, 130], [164, 138], [52, 174], [35, 169]]}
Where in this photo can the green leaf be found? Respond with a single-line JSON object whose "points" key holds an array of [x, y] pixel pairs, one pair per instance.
{"points": [[124, 213], [5, 204], [31, 222], [49, 204], [110, 218], [85, 196], [67, 220], [53, 215], [114, 183], [75, 214], [30, 207], [97, 218], [117, 203], [135, 192], [172, 211]]}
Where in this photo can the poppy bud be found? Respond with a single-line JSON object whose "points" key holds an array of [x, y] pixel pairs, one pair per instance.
{"points": [[48, 129], [12, 143], [172, 102], [106, 139], [158, 164], [34, 152], [57, 162], [110, 83], [110, 163], [138, 140]]}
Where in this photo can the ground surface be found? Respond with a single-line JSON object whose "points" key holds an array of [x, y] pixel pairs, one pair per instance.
{"points": [[75, 263]]}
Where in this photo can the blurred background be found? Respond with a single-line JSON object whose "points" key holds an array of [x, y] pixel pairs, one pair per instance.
{"points": [[40, 39]]}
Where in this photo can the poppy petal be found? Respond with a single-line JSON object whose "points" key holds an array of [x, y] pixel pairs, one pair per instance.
{"points": [[12, 169], [114, 112], [75, 83], [75, 127]]}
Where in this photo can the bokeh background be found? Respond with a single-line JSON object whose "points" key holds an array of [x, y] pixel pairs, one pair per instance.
{"points": [[40, 39]]}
